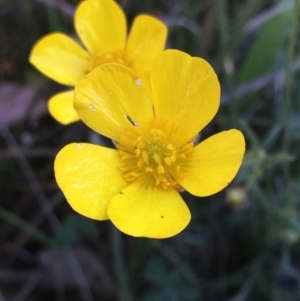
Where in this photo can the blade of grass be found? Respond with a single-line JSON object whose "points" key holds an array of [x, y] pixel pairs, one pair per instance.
{"points": [[45, 206], [26, 227], [29, 175], [124, 292], [62, 6], [253, 86], [222, 11], [288, 88]]}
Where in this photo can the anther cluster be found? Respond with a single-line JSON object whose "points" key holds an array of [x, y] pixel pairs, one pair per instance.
{"points": [[154, 152]]}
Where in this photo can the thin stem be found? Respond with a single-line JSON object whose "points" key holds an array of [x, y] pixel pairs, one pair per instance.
{"points": [[33, 232], [124, 292], [45, 206], [171, 256], [30, 176], [227, 60], [253, 178], [288, 88], [223, 22]]}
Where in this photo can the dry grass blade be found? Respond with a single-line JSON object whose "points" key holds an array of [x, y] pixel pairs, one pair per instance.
{"points": [[17, 102], [62, 6], [45, 205]]}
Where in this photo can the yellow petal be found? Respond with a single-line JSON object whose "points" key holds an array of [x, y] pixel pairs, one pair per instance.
{"points": [[109, 97], [101, 24], [61, 108], [213, 163], [143, 209], [89, 177], [185, 89], [146, 41], [60, 58], [146, 82]]}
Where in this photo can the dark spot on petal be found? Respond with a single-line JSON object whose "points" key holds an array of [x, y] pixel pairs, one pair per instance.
{"points": [[121, 192], [130, 120], [162, 216]]}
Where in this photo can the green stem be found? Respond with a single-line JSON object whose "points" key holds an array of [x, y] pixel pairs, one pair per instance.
{"points": [[226, 58], [124, 292], [253, 178], [288, 88], [26, 227], [176, 260]]}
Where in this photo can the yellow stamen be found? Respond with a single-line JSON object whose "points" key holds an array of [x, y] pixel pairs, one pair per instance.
{"points": [[168, 161], [157, 158], [137, 152], [152, 151], [160, 169], [145, 157], [108, 56], [148, 169], [140, 163]]}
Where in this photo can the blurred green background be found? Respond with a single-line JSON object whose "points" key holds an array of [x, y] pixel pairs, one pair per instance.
{"points": [[243, 244]]}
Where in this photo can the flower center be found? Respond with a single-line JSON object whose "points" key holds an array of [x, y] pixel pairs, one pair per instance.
{"points": [[153, 151], [107, 56]]}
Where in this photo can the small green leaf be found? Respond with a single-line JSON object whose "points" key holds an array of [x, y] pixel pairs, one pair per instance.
{"points": [[261, 57], [75, 228]]}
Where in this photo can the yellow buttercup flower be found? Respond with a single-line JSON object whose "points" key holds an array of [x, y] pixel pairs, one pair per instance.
{"points": [[154, 127], [101, 26]]}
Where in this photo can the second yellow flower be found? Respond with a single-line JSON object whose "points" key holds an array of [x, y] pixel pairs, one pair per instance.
{"points": [[102, 28]]}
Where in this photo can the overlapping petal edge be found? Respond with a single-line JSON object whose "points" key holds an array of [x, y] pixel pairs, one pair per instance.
{"points": [[210, 168], [100, 25]]}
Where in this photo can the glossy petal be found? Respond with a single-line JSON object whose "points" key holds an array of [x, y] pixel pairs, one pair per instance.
{"points": [[101, 24], [60, 58], [107, 96], [146, 41], [214, 163], [142, 209], [61, 107], [89, 177], [184, 89]]}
